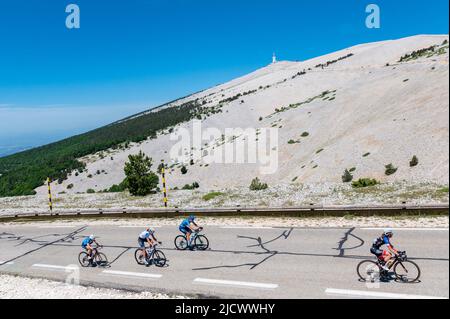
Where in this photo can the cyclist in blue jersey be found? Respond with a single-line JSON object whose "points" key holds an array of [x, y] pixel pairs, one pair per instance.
{"points": [[147, 236], [87, 245], [188, 226], [383, 255]]}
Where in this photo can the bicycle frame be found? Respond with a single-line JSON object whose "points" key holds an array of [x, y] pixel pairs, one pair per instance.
{"points": [[193, 236], [95, 251], [398, 259], [150, 251]]}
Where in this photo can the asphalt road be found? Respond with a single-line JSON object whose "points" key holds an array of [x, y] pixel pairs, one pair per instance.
{"points": [[241, 262]]}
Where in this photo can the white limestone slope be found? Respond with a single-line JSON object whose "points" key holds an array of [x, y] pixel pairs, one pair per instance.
{"points": [[391, 111]]}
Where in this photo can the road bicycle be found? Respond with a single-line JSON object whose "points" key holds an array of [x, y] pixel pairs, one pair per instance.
{"points": [[200, 242], [404, 270], [154, 256], [98, 258]]}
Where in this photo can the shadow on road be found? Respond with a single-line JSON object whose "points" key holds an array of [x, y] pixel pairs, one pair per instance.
{"points": [[66, 240], [42, 244]]}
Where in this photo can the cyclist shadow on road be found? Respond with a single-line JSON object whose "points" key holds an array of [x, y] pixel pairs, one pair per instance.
{"points": [[126, 250], [344, 239], [388, 278], [61, 238], [260, 244], [22, 240]]}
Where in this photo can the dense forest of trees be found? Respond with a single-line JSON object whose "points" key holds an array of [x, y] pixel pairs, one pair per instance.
{"points": [[21, 173]]}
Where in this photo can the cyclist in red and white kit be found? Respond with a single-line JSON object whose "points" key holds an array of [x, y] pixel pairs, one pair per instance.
{"points": [[384, 255]]}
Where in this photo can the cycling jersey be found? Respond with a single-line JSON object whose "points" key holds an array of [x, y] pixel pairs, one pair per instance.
{"points": [[185, 223], [145, 234], [380, 241], [87, 241]]}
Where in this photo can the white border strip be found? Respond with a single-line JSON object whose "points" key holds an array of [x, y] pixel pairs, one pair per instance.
{"points": [[58, 226], [137, 226], [417, 229], [131, 274], [374, 294], [2, 263], [245, 227], [235, 283]]}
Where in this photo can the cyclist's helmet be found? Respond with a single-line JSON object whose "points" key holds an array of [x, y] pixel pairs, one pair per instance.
{"points": [[191, 218], [91, 237], [389, 232]]}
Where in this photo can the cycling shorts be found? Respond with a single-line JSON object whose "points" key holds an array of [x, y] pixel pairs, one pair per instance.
{"points": [[376, 251], [379, 253], [141, 242], [185, 230]]}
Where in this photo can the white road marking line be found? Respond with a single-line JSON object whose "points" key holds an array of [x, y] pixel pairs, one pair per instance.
{"points": [[375, 294], [55, 267], [137, 226], [59, 226], [418, 229], [245, 227], [2, 263], [131, 274], [235, 283]]}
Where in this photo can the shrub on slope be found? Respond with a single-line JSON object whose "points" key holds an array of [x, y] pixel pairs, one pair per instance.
{"points": [[140, 180]]}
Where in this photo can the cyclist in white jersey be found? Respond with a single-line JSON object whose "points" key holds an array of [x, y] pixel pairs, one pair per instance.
{"points": [[147, 236]]}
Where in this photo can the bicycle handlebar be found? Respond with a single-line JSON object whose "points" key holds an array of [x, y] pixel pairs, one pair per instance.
{"points": [[402, 255]]}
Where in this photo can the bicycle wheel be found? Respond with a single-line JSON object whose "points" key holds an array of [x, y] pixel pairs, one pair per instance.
{"points": [[101, 259], [83, 259], [201, 242], [159, 259], [368, 270], [140, 259], [407, 271], [181, 242]]}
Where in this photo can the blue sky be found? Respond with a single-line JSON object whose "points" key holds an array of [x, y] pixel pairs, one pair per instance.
{"points": [[131, 55]]}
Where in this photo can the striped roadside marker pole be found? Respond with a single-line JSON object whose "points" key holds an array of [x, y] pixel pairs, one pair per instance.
{"points": [[163, 173], [50, 204]]}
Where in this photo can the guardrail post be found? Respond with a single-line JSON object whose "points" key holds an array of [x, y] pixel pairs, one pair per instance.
{"points": [[163, 173], [50, 204]]}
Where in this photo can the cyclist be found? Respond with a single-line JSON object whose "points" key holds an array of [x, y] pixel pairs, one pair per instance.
{"points": [[147, 236], [384, 256], [87, 245], [188, 226]]}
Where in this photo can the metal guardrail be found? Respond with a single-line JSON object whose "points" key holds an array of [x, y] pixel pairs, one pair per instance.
{"points": [[304, 211]]}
